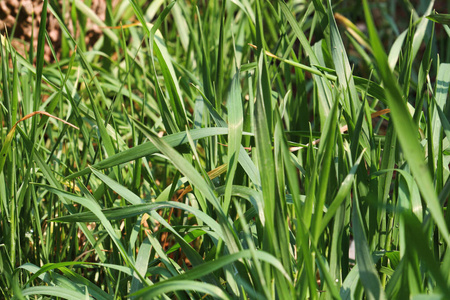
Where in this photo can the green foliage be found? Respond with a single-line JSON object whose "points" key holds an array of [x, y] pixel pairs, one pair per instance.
{"points": [[228, 149]]}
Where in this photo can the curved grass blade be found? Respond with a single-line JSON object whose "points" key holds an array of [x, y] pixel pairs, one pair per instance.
{"points": [[10, 135], [39, 272], [367, 272], [406, 129], [55, 291], [362, 84], [211, 266], [341, 194], [94, 207], [443, 19], [191, 254], [235, 125], [146, 149], [194, 177], [123, 212], [182, 285]]}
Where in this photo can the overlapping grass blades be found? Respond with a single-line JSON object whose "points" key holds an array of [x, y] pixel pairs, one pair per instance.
{"points": [[231, 150]]}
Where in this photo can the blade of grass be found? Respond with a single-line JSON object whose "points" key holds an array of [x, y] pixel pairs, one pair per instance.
{"points": [[55, 291], [87, 12], [183, 285], [219, 263], [367, 272], [235, 125], [94, 207], [341, 195], [440, 18], [406, 130], [194, 177], [149, 148]]}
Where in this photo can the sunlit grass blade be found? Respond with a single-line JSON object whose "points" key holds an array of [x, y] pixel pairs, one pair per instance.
{"points": [[94, 207], [194, 177], [119, 213], [407, 132], [367, 272], [342, 65], [219, 263], [442, 86], [7, 143], [193, 256], [183, 285], [55, 291], [146, 149], [343, 192], [235, 124], [87, 11], [265, 156]]}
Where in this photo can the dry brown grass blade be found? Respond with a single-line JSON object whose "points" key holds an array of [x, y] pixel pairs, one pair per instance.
{"points": [[10, 135], [355, 32], [42, 113], [211, 174]]}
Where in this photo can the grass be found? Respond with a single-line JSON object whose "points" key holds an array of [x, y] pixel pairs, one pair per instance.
{"points": [[232, 150]]}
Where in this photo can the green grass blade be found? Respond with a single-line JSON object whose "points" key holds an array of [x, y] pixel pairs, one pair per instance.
{"points": [[194, 177], [264, 154], [341, 195], [342, 65], [148, 148], [183, 285], [119, 213], [324, 158], [94, 207], [219, 263], [87, 12], [440, 18], [407, 132], [235, 125], [442, 86], [54, 291], [367, 272], [40, 56]]}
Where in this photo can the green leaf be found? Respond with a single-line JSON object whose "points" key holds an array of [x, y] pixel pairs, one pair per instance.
{"points": [[195, 178], [235, 125], [148, 148], [94, 207], [211, 266], [406, 130], [183, 285], [367, 272], [341, 195], [54, 291], [440, 18]]}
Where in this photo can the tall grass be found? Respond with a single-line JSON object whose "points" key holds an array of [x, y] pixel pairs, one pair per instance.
{"points": [[229, 149]]}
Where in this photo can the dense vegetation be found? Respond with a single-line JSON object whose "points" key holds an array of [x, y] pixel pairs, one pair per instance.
{"points": [[228, 149]]}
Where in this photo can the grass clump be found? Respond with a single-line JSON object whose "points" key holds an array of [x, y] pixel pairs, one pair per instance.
{"points": [[229, 149]]}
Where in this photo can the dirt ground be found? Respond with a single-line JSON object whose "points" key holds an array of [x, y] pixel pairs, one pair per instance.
{"points": [[20, 20]]}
